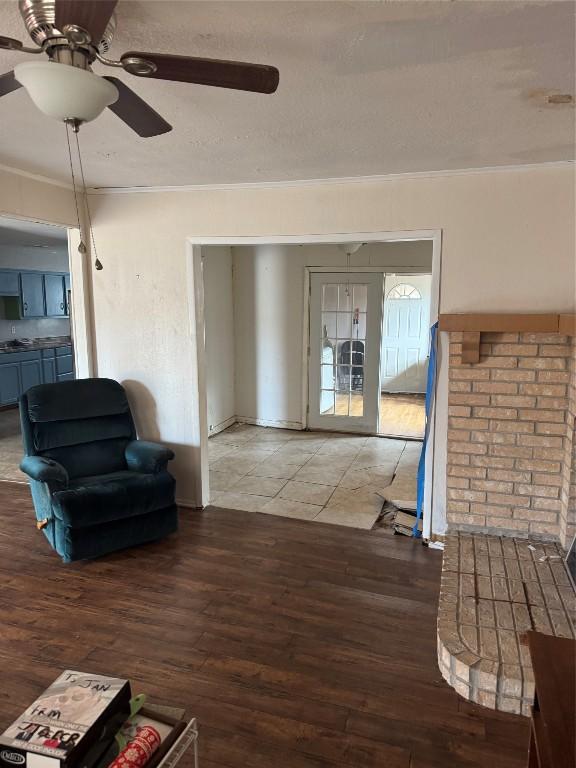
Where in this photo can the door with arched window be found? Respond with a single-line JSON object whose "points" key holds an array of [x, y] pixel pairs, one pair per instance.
{"points": [[404, 356]]}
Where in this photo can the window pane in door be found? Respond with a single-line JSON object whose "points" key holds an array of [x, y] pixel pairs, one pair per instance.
{"points": [[330, 297], [327, 402], [327, 377], [356, 404], [344, 325], [359, 326], [343, 403], [343, 377], [349, 404], [328, 347], [353, 375], [357, 380], [328, 324], [344, 356], [345, 297], [360, 296]]}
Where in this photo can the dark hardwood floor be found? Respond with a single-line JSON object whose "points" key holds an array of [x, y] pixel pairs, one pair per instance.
{"points": [[296, 644]]}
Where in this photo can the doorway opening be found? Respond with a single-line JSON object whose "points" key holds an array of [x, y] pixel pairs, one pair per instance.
{"points": [[38, 323], [271, 361]]}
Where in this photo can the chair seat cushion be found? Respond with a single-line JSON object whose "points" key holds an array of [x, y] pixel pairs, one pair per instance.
{"points": [[102, 498]]}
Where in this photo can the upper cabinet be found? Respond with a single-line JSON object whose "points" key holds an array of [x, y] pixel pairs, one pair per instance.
{"points": [[32, 285], [55, 295], [34, 294], [9, 283]]}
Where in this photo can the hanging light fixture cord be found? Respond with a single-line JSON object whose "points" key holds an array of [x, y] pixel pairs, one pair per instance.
{"points": [[97, 262], [348, 268], [81, 247]]}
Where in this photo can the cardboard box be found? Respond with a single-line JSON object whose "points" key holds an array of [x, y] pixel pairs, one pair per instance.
{"points": [[72, 723]]}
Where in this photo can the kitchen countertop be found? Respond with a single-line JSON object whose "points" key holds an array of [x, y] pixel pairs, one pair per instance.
{"points": [[47, 343]]}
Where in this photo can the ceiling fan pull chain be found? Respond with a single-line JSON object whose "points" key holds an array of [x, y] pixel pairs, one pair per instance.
{"points": [[81, 247], [97, 262]]}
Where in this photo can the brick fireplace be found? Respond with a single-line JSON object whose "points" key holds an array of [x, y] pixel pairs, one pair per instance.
{"points": [[511, 505], [511, 442]]}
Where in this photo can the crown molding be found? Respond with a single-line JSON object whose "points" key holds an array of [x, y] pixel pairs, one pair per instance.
{"points": [[330, 181], [35, 176], [379, 179]]}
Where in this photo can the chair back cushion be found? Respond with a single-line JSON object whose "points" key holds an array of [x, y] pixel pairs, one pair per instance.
{"points": [[85, 425]]}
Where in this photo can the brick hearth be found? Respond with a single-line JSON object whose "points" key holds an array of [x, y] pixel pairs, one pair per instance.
{"points": [[493, 590]]}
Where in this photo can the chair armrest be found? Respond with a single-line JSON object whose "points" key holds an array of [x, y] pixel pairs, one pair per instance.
{"points": [[44, 470], [148, 458]]}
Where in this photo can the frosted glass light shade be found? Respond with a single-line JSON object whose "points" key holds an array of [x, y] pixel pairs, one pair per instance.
{"points": [[64, 92]]}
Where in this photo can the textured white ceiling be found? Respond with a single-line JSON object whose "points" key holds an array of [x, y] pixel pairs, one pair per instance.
{"points": [[365, 88]]}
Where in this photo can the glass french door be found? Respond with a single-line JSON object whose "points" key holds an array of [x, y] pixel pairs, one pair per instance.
{"points": [[344, 362]]}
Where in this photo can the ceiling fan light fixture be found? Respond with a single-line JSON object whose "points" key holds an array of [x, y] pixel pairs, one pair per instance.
{"points": [[138, 66], [64, 92]]}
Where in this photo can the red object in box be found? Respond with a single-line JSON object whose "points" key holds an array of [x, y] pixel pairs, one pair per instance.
{"points": [[139, 751]]}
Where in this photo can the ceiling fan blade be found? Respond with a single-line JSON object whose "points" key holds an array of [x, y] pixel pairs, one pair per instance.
{"points": [[91, 15], [10, 44], [238, 75], [8, 83], [136, 113]]}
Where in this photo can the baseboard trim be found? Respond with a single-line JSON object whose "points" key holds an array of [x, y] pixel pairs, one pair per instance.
{"points": [[222, 426], [276, 423], [188, 504]]}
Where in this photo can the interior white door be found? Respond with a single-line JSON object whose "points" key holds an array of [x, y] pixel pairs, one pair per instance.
{"points": [[405, 333], [344, 362]]}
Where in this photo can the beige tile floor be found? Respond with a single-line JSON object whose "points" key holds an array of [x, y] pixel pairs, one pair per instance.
{"points": [[10, 446], [321, 476]]}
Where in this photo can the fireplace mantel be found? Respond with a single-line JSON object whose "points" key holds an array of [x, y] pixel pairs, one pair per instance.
{"points": [[472, 326]]}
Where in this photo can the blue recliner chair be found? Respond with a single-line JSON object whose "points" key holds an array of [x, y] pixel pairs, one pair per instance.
{"points": [[96, 488]]}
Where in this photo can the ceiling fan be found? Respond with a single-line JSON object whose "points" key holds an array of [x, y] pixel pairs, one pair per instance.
{"points": [[74, 34]]}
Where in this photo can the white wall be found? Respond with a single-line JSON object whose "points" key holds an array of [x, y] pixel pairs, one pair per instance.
{"points": [[219, 337], [508, 245], [269, 316], [24, 196]]}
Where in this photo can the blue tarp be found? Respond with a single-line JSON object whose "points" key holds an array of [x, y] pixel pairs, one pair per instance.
{"points": [[429, 401]]}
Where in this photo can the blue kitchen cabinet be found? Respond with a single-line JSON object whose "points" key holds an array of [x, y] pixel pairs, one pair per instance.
{"points": [[21, 370], [64, 363], [48, 366], [32, 294], [49, 370], [30, 374], [18, 372], [9, 282], [55, 295], [9, 383]]}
